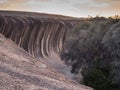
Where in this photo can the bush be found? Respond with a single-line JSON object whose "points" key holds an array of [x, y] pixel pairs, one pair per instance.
{"points": [[94, 48], [98, 78]]}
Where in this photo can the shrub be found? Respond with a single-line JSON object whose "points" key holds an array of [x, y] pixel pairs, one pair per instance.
{"points": [[94, 48]]}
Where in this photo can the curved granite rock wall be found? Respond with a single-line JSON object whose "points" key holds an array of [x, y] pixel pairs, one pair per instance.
{"points": [[38, 35], [43, 36]]}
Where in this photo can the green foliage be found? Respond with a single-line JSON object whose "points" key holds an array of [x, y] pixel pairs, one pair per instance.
{"points": [[94, 48], [84, 25], [98, 78]]}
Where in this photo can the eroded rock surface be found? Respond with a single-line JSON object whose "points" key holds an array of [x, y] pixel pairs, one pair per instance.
{"points": [[20, 71], [41, 35], [36, 65]]}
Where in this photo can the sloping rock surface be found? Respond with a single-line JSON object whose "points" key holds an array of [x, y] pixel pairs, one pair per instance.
{"points": [[36, 65], [20, 71], [41, 35]]}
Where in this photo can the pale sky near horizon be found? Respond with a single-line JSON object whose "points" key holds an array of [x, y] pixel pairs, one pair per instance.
{"points": [[76, 8]]}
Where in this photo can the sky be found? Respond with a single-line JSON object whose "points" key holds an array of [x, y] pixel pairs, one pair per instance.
{"points": [[75, 8]]}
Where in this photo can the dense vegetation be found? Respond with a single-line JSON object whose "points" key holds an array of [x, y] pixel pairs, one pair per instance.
{"points": [[93, 50]]}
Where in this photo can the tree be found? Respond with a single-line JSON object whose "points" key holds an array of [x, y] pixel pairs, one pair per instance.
{"points": [[94, 48]]}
